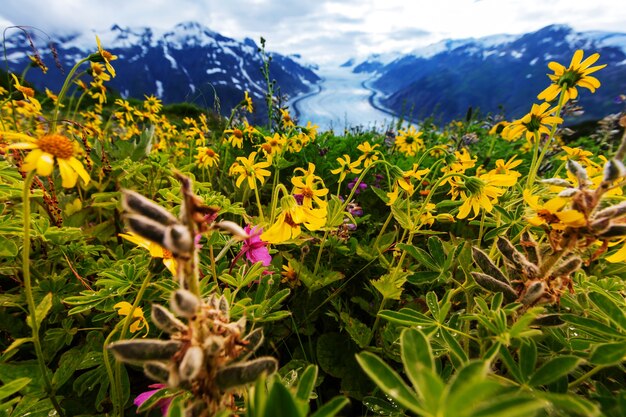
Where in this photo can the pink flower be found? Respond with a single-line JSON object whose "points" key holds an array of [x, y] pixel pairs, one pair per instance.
{"points": [[254, 248], [144, 396]]}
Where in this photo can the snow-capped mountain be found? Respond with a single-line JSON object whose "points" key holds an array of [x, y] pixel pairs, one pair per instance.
{"points": [[495, 73], [189, 63]]}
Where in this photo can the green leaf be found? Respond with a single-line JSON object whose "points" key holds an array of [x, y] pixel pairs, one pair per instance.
{"points": [[359, 332], [567, 404], [469, 387], [307, 383], [591, 326], [8, 248], [608, 353], [527, 358], [612, 311], [505, 406], [433, 305], [281, 403], [554, 369], [42, 309], [389, 381], [457, 354], [17, 343], [332, 407], [406, 317], [12, 387], [421, 256], [390, 285], [435, 246], [419, 366]]}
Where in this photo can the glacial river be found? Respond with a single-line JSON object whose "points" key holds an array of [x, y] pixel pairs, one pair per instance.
{"points": [[340, 102]]}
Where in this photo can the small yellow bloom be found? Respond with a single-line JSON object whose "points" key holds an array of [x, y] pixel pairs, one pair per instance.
{"points": [[206, 157], [537, 121], [292, 216], [286, 119], [409, 141], [124, 308], [156, 251], [246, 168], [107, 57], [369, 153], [551, 212], [310, 189], [247, 102], [346, 167]]}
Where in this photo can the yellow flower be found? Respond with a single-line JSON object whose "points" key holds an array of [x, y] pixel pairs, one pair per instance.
{"points": [[290, 275], [156, 250], [97, 71], [577, 74], [152, 104], [28, 92], [307, 186], [535, 122], [404, 182], [551, 212], [107, 57], [206, 157], [43, 153], [506, 168], [578, 155], [346, 167], [247, 102], [409, 141], [236, 137], [273, 144], [292, 216], [246, 168], [124, 308], [370, 154], [481, 193], [286, 118]]}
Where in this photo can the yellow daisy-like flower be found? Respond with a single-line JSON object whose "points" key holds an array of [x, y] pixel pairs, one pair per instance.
{"points": [[307, 186], [286, 119], [409, 141], [97, 71], [247, 102], [576, 75], [292, 216], [578, 155], [207, 157], [246, 168], [346, 167], [45, 151], [107, 57], [235, 138], [537, 121], [124, 308], [28, 92], [551, 212], [481, 193], [506, 168], [290, 275], [369, 153], [405, 183], [273, 144], [156, 250]]}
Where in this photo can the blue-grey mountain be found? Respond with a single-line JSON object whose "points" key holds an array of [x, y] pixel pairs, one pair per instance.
{"points": [[189, 63], [496, 73]]}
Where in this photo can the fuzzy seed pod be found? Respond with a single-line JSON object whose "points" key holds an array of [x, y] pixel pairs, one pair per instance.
{"points": [[191, 365], [517, 259], [244, 373], [533, 293], [530, 248], [184, 303], [253, 341], [612, 212], [166, 321], [488, 267], [568, 267], [144, 350], [232, 228], [568, 192], [146, 228], [613, 170], [157, 371], [615, 230], [134, 202], [579, 172], [491, 284], [548, 320], [213, 344], [557, 182]]}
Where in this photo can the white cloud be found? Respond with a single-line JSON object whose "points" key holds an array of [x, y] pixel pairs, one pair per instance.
{"points": [[323, 30]]}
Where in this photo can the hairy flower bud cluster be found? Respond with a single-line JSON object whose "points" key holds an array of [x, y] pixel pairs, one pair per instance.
{"points": [[207, 354]]}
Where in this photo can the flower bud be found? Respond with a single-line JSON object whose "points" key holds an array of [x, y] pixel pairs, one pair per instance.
{"points": [[157, 371], [534, 292], [579, 172], [491, 284], [192, 363], [613, 170], [134, 202], [244, 373], [166, 321], [184, 303], [488, 267], [144, 350]]}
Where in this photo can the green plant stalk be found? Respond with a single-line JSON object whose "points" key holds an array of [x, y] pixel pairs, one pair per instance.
{"points": [[28, 292], [587, 375], [64, 89], [536, 163], [109, 369], [129, 318], [278, 188], [274, 185], [258, 203]]}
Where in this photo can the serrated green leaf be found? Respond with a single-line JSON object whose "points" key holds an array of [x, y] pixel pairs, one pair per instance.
{"points": [[554, 369], [390, 285], [389, 381], [420, 255]]}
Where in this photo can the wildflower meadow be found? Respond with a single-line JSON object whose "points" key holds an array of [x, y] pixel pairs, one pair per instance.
{"points": [[164, 260]]}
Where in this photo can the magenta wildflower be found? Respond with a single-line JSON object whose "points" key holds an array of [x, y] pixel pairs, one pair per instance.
{"points": [[144, 396], [254, 248]]}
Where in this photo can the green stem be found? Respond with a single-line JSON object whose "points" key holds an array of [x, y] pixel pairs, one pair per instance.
{"points": [[258, 203], [125, 326], [586, 375], [28, 291], [109, 369], [64, 89], [319, 253]]}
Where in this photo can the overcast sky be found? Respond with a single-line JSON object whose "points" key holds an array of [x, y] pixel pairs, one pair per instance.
{"points": [[323, 31]]}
